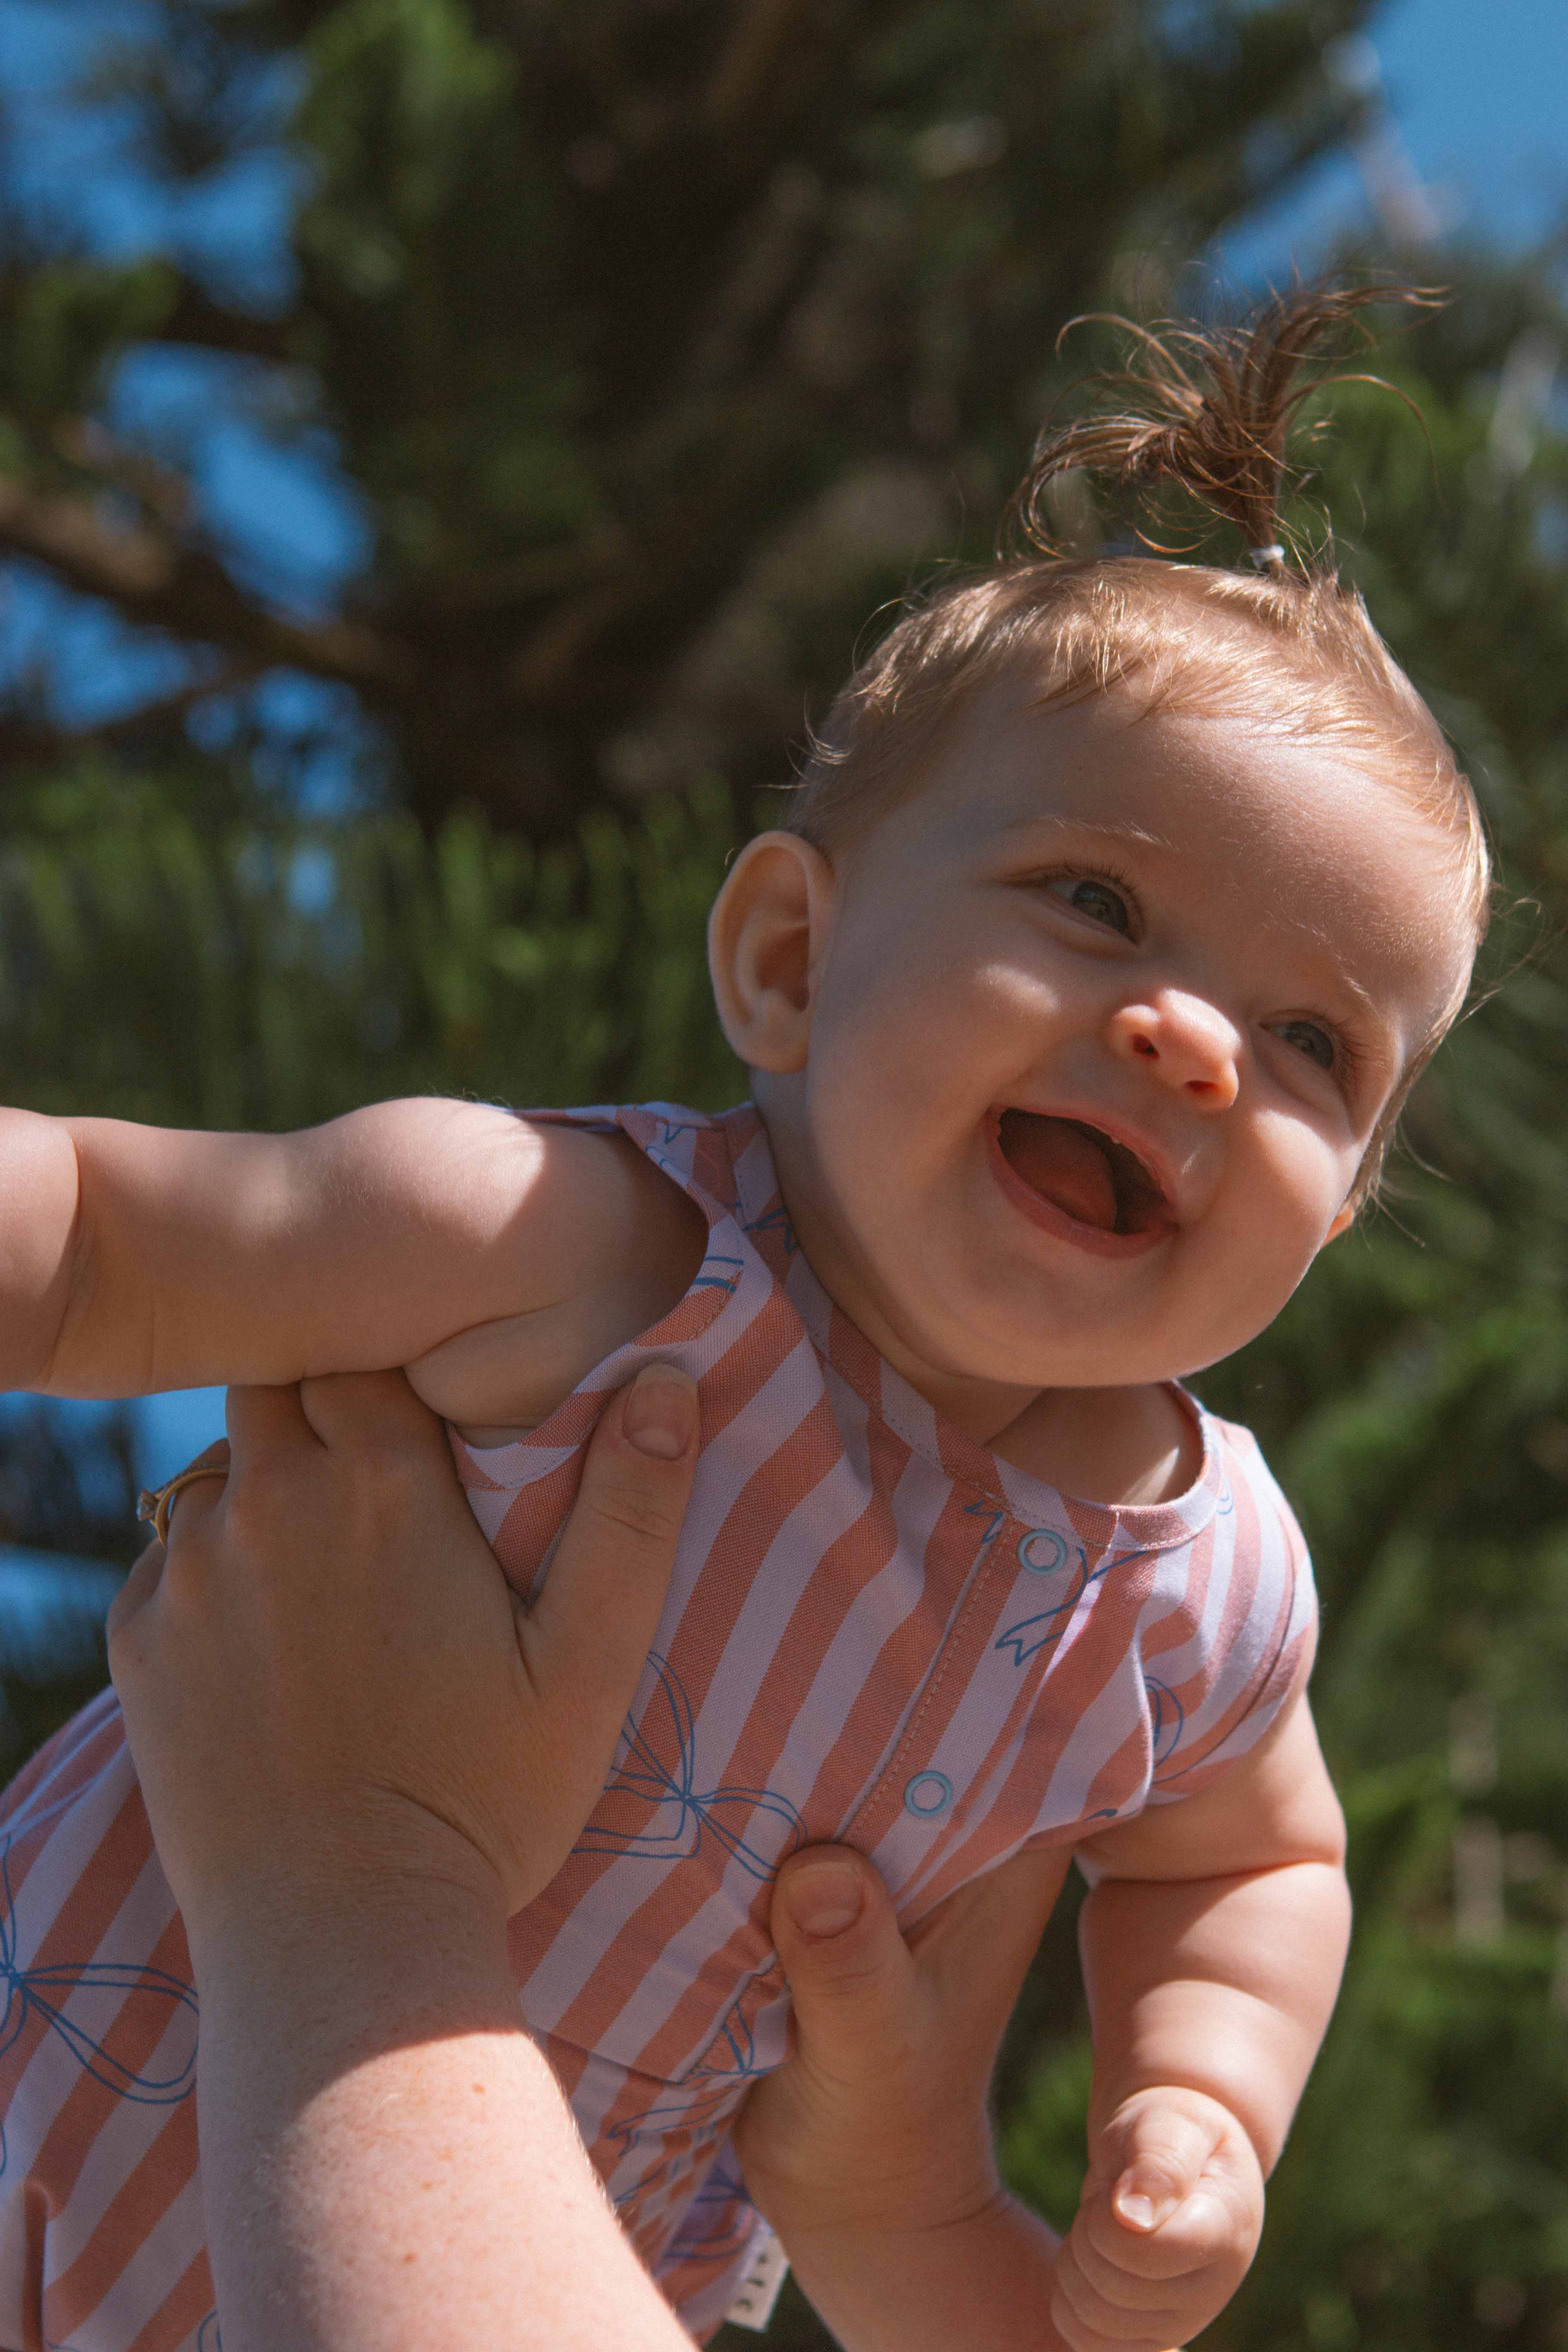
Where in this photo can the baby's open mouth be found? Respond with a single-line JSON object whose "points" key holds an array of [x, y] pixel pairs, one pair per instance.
{"points": [[1082, 1172]]}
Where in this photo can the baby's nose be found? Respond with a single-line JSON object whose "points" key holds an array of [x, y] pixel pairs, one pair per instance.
{"points": [[1184, 1041]]}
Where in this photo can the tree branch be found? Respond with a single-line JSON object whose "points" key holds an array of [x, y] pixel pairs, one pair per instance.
{"points": [[518, 582], [24, 743], [89, 447], [747, 59], [151, 577], [195, 319]]}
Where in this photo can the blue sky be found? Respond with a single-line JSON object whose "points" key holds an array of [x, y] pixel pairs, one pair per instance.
{"points": [[1482, 94], [1477, 108], [1478, 95]]}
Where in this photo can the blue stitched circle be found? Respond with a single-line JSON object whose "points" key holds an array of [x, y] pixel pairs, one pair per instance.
{"points": [[928, 1796], [1053, 1543]]}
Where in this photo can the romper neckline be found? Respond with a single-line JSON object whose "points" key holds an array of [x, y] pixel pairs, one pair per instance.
{"points": [[759, 1209]]}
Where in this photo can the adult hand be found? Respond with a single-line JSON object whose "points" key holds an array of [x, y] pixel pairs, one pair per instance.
{"points": [[359, 1757], [327, 1675], [871, 2150]]}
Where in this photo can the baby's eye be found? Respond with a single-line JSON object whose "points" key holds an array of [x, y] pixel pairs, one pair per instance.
{"points": [[1101, 901], [1311, 1038]]}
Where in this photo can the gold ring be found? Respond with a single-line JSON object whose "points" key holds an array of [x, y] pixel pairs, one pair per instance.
{"points": [[156, 1502]]}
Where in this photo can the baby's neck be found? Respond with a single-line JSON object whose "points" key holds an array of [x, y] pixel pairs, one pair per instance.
{"points": [[1117, 1445], [1114, 1446], [1106, 1446]]}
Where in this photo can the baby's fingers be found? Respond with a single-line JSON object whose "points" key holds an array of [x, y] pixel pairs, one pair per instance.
{"points": [[1101, 2307], [1159, 2155], [1162, 2167], [1174, 2187], [1205, 2257], [1140, 2317], [1208, 2232]]}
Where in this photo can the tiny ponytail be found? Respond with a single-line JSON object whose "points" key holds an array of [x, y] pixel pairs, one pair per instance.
{"points": [[1209, 411], [1279, 639]]}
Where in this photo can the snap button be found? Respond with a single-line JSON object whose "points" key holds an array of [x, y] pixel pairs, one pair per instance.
{"points": [[1042, 1551], [928, 1796]]}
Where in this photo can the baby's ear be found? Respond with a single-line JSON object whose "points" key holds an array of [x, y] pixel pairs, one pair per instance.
{"points": [[766, 936]]}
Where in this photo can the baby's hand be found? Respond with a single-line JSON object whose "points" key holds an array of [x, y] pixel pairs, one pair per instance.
{"points": [[1166, 2226]]}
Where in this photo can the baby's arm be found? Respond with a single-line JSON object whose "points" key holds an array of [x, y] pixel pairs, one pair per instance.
{"points": [[135, 1258], [1211, 1950]]}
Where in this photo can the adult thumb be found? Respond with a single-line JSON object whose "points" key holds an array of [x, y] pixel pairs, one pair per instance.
{"points": [[852, 1978]]}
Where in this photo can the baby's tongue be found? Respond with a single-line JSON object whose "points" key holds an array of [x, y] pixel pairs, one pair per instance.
{"points": [[1059, 1159]]}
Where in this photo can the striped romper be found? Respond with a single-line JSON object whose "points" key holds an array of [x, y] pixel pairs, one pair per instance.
{"points": [[877, 1632]]}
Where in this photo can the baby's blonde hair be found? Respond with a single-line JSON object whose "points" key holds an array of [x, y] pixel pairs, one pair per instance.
{"points": [[1283, 643]]}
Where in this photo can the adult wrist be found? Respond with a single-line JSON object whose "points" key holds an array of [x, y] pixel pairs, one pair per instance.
{"points": [[371, 1899], [887, 2204], [982, 2277]]}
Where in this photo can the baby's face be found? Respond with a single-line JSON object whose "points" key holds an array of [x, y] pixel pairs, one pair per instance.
{"points": [[1106, 1015]]}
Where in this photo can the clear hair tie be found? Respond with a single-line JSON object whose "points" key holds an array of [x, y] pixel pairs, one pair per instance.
{"points": [[1262, 557]]}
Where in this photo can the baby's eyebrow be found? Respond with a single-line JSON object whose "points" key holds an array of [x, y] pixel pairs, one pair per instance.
{"points": [[1045, 822], [1362, 998], [1369, 1006]]}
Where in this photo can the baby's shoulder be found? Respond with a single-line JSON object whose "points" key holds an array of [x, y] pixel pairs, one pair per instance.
{"points": [[467, 1211], [602, 1246], [571, 1189], [1243, 1470]]}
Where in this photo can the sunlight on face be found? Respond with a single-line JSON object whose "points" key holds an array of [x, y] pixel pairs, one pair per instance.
{"points": [[1109, 1010]]}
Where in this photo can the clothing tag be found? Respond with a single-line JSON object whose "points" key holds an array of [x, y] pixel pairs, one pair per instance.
{"points": [[767, 2266]]}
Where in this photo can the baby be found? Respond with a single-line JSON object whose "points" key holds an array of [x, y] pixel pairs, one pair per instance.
{"points": [[1112, 921]]}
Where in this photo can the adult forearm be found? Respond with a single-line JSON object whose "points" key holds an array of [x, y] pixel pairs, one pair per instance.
{"points": [[387, 2159], [984, 2279], [1222, 1986], [39, 1198]]}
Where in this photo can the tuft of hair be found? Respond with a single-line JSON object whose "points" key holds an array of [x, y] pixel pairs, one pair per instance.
{"points": [[1208, 412]]}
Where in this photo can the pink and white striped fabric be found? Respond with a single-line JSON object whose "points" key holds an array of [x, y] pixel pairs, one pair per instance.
{"points": [[876, 1632]]}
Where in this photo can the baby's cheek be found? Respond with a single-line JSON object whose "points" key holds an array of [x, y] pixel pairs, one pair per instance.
{"points": [[1286, 1196], [1234, 1282]]}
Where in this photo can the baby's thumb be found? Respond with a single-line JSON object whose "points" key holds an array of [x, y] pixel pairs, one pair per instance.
{"points": [[1158, 2165], [852, 1979]]}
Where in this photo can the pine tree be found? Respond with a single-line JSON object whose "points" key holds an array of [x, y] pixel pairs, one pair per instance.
{"points": [[656, 338]]}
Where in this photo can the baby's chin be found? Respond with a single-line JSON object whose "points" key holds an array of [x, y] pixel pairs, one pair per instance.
{"points": [[1144, 1362], [1031, 1348], [965, 1318], [1017, 1361]]}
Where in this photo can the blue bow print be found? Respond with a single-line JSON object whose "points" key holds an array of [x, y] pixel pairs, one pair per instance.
{"points": [[682, 1810], [45, 1991]]}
